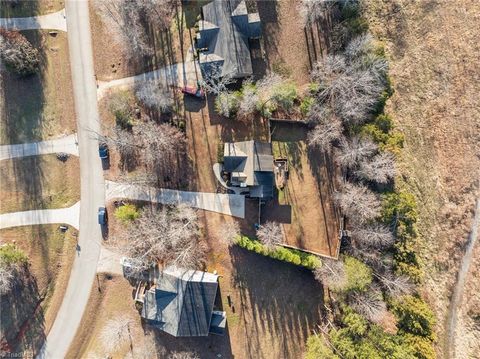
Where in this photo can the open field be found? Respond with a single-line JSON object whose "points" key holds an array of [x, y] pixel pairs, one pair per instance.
{"points": [[33, 308], [39, 182], [26, 8], [434, 50], [41, 106]]}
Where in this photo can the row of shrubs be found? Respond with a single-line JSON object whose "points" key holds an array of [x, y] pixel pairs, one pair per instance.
{"points": [[288, 255]]}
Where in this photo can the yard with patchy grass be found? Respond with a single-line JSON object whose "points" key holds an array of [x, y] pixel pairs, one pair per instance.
{"points": [[39, 182], [34, 305], [39, 107], [30, 7]]}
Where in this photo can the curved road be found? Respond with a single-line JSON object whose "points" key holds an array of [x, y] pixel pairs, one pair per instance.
{"points": [[92, 184]]}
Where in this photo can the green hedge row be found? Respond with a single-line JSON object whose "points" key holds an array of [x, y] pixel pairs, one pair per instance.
{"points": [[289, 255]]}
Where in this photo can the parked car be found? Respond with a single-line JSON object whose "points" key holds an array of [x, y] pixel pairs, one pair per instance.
{"points": [[102, 216], [103, 150], [192, 91]]}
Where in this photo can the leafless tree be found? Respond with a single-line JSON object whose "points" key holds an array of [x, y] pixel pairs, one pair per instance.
{"points": [[226, 103], [183, 355], [358, 202], [331, 274], [372, 235], [353, 151], [155, 95], [125, 143], [313, 10], [326, 132], [159, 13], [270, 234], [17, 53], [7, 277], [215, 82], [369, 304], [228, 232], [124, 20], [395, 285], [116, 332], [380, 168], [169, 236], [146, 350]]}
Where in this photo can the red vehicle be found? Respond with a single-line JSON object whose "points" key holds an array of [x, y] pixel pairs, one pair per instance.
{"points": [[192, 91]]}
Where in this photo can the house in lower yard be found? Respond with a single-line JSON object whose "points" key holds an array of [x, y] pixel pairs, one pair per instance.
{"points": [[181, 303], [249, 164], [223, 37]]}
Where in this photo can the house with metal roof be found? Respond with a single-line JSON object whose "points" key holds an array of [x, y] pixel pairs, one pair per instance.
{"points": [[223, 37], [249, 164], [181, 303]]}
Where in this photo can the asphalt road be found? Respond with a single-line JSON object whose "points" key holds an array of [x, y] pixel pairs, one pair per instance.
{"points": [[92, 184]]}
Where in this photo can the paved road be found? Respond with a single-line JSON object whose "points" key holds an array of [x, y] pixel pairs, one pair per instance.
{"points": [[53, 21], [230, 204], [67, 144], [92, 186], [69, 215], [179, 75]]}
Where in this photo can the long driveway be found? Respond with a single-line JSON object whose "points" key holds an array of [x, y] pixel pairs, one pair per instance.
{"points": [[92, 185], [53, 21], [229, 204], [67, 144], [69, 215]]}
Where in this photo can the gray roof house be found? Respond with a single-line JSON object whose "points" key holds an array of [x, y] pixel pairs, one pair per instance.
{"points": [[181, 303], [250, 164], [223, 37]]}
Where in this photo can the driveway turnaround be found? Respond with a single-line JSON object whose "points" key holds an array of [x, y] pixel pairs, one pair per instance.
{"points": [[68, 216], [67, 144], [217, 170], [92, 192], [53, 21], [176, 75], [230, 204]]}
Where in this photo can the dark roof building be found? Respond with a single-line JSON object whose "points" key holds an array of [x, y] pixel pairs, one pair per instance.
{"points": [[181, 303], [250, 164], [223, 37]]}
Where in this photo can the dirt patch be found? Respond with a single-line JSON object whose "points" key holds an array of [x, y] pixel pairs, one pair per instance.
{"points": [[434, 67], [34, 306], [41, 106], [39, 182]]}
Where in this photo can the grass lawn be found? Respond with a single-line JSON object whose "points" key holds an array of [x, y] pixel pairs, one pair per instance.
{"points": [[40, 106], [307, 197], [25, 8], [39, 182], [33, 307]]}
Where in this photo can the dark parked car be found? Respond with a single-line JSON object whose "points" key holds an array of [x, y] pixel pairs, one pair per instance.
{"points": [[102, 215], [103, 150]]}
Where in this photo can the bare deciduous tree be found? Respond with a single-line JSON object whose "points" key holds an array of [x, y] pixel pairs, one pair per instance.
{"points": [[331, 274], [248, 100], [394, 285], [358, 202], [353, 151], [226, 103], [270, 234], [214, 81], [155, 95], [17, 53], [159, 13], [370, 304], [380, 168], [7, 277], [229, 232], [373, 235], [115, 333], [183, 355], [327, 131], [313, 10], [169, 236], [148, 349]]}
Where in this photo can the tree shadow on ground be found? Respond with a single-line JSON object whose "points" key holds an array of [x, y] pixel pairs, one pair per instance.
{"points": [[22, 321], [278, 301]]}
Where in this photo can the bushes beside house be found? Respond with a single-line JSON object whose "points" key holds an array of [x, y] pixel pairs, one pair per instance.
{"points": [[288, 255]]}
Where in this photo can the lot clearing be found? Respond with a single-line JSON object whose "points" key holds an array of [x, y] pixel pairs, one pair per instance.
{"points": [[434, 50], [41, 106], [33, 307], [39, 182]]}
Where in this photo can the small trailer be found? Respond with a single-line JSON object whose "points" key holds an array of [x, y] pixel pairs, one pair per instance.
{"points": [[280, 168]]}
